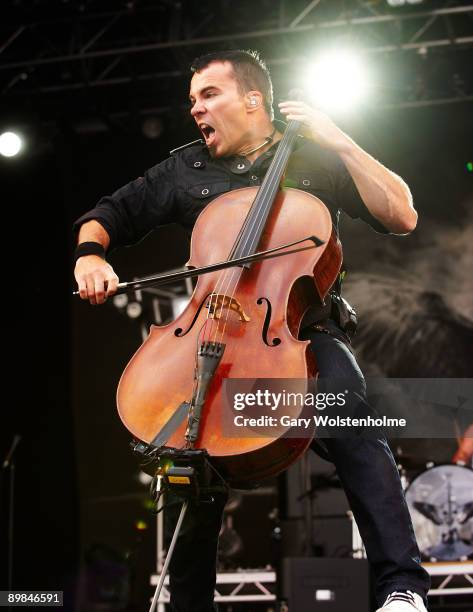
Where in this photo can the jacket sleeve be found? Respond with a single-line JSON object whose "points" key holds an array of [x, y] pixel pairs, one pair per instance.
{"points": [[135, 209]]}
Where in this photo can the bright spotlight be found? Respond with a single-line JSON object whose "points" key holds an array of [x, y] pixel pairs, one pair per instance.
{"points": [[10, 144], [178, 304], [337, 80]]}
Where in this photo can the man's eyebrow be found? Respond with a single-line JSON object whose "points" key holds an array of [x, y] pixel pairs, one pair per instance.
{"points": [[203, 91]]}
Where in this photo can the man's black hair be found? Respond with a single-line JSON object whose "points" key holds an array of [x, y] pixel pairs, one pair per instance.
{"points": [[251, 73]]}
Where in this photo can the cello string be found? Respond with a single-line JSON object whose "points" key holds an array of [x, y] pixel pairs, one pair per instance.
{"points": [[217, 291], [254, 221], [226, 276], [259, 216], [280, 162]]}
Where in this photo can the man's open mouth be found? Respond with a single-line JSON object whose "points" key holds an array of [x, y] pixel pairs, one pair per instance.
{"points": [[208, 132]]}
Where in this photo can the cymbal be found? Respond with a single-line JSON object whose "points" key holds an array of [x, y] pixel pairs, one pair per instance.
{"points": [[412, 462], [452, 551]]}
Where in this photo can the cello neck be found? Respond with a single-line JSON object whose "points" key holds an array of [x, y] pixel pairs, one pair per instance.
{"points": [[249, 237]]}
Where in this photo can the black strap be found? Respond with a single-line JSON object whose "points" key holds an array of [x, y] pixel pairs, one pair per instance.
{"points": [[171, 426], [337, 286], [89, 248]]}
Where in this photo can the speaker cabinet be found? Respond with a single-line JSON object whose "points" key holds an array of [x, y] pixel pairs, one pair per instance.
{"points": [[325, 585]]}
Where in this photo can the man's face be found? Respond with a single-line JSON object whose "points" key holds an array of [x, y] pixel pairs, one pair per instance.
{"points": [[220, 110]]}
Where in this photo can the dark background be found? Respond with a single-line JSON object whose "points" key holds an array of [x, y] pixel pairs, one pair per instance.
{"points": [[78, 499]]}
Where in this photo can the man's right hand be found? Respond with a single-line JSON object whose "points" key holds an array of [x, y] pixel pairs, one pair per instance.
{"points": [[95, 278]]}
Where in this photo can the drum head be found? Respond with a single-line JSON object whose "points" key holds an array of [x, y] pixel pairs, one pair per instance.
{"points": [[440, 501]]}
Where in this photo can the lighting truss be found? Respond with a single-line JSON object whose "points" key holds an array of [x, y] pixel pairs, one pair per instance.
{"points": [[141, 49]]}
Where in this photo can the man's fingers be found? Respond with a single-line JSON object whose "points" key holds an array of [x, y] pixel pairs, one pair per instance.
{"points": [[292, 103], [297, 117], [294, 106], [95, 278], [297, 114], [82, 288], [100, 289], [112, 284], [303, 119], [91, 290]]}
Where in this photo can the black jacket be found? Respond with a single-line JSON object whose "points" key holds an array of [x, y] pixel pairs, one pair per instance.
{"points": [[177, 189]]}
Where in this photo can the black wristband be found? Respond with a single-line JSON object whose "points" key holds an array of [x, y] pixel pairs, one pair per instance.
{"points": [[89, 248]]}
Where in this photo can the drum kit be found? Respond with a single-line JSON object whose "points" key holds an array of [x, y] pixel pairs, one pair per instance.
{"points": [[440, 501]]}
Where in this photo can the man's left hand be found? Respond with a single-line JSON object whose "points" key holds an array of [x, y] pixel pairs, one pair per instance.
{"points": [[316, 125]]}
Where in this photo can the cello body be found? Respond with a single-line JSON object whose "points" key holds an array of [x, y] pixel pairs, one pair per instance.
{"points": [[255, 312]]}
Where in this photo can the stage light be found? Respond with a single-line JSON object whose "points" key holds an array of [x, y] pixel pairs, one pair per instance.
{"points": [[337, 80], [134, 310], [397, 3], [144, 478], [469, 166], [179, 304], [149, 504], [120, 300], [141, 525], [152, 127], [10, 144]]}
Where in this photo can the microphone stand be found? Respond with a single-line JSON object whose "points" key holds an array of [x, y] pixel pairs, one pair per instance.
{"points": [[189, 476], [165, 567], [9, 463]]}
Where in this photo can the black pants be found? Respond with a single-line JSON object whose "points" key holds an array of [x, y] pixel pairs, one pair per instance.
{"points": [[371, 482]]}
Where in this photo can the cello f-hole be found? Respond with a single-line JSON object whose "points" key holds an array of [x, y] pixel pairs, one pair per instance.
{"points": [[264, 334], [179, 332]]}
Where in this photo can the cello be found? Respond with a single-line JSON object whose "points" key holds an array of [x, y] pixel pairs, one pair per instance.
{"points": [[242, 323]]}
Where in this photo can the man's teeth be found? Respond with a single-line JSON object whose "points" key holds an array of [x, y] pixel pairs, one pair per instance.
{"points": [[207, 130]]}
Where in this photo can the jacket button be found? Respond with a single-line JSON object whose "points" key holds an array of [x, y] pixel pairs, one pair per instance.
{"points": [[197, 164], [306, 182], [240, 166], [205, 191], [254, 177]]}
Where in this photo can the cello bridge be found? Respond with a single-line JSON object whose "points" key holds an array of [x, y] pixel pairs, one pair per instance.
{"points": [[218, 303]]}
